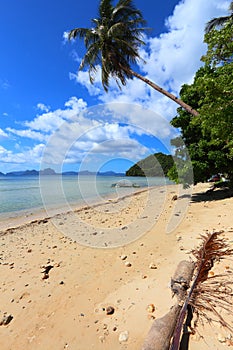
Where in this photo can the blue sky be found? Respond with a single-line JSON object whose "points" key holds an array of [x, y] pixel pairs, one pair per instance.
{"points": [[50, 115]]}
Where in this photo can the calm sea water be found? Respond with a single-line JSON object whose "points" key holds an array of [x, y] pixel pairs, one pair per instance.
{"points": [[23, 193]]}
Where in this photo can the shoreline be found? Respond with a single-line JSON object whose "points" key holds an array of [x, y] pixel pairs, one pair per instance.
{"points": [[14, 219], [67, 307]]}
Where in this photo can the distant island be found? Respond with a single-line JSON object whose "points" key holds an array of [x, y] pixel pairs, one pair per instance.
{"points": [[51, 172], [157, 164]]}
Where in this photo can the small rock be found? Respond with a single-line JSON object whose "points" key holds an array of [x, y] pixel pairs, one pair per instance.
{"points": [[151, 317], [123, 336], [152, 266], [6, 320], [123, 257], [221, 338], [110, 310], [45, 276], [128, 264], [175, 197], [101, 338], [151, 308]]}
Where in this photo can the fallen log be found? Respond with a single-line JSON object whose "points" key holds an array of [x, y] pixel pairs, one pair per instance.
{"points": [[159, 336]]}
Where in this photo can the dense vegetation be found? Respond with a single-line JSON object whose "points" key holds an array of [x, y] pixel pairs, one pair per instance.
{"points": [[209, 136], [157, 164]]}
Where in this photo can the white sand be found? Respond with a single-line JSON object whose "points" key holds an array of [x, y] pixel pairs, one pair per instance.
{"points": [[68, 309]]}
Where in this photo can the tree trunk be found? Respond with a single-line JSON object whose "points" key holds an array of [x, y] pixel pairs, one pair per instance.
{"points": [[162, 329], [164, 92]]}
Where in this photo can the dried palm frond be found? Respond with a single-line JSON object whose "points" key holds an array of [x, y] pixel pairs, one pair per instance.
{"points": [[207, 294]]}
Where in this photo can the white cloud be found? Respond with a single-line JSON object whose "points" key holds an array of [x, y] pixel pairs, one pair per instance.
{"points": [[3, 134], [28, 134], [49, 122], [83, 79], [4, 84], [42, 107], [30, 156]]}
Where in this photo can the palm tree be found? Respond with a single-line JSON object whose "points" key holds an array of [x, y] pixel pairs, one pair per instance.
{"points": [[219, 21], [113, 43]]}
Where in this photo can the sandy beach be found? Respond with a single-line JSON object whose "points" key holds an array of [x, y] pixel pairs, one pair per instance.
{"points": [[82, 279]]}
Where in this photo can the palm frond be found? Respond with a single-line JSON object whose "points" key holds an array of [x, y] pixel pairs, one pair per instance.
{"points": [[206, 294], [216, 22], [78, 32]]}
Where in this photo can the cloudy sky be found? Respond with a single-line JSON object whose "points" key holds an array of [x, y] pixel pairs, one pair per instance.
{"points": [[50, 115]]}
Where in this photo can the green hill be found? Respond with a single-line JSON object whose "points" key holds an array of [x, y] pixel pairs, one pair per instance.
{"points": [[156, 164]]}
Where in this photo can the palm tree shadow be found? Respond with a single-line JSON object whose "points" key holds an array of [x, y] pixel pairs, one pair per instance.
{"points": [[216, 195]]}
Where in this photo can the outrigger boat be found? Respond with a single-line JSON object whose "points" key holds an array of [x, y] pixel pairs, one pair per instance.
{"points": [[125, 184]]}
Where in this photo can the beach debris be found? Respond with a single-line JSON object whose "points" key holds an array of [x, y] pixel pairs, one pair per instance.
{"points": [[101, 338], [162, 328], [221, 338], [128, 264], [6, 319], [152, 266], [181, 278], [46, 271], [110, 310], [123, 257], [123, 336], [150, 308], [175, 197]]}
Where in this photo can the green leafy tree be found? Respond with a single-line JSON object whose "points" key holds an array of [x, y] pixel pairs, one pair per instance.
{"points": [[209, 136], [113, 42]]}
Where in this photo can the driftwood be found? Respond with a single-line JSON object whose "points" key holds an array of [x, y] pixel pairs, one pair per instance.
{"points": [[159, 336]]}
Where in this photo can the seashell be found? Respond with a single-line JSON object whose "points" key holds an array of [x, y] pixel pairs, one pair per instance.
{"points": [[110, 310], [150, 308], [123, 336], [152, 266], [221, 338], [128, 264]]}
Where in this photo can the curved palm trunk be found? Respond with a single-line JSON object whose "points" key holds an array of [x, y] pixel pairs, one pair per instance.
{"points": [[164, 92]]}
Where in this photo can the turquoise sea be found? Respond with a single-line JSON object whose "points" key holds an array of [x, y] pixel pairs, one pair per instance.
{"points": [[32, 193]]}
